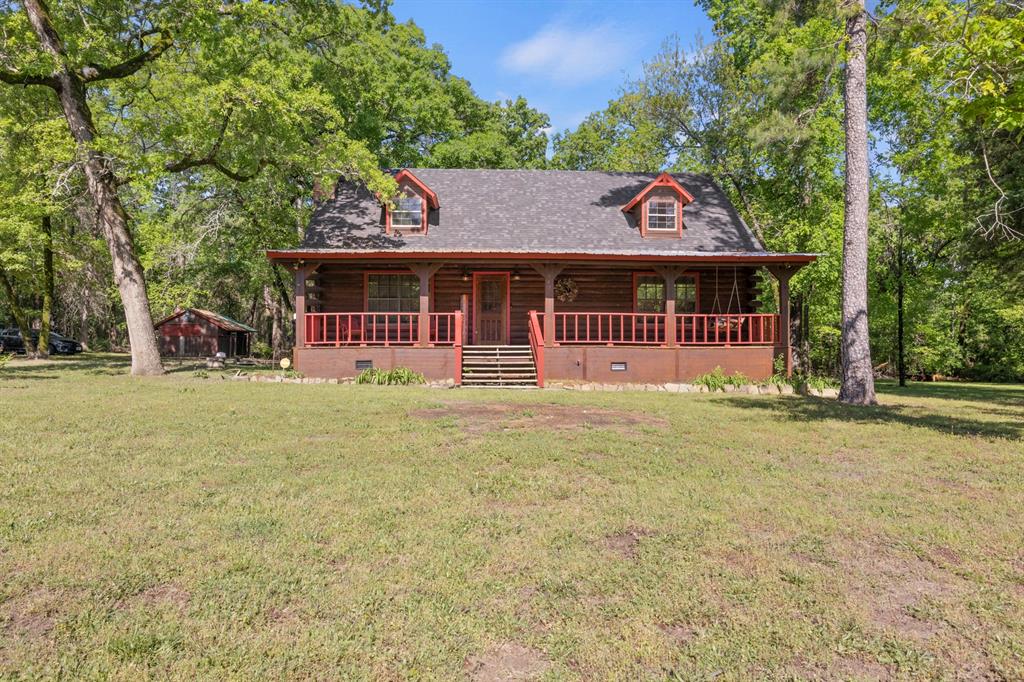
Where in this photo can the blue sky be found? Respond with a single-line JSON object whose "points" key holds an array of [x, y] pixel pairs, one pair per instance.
{"points": [[567, 58]]}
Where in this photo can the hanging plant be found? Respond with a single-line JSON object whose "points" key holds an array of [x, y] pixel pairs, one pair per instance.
{"points": [[566, 289]]}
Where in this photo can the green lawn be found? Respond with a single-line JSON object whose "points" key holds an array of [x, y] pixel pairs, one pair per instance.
{"points": [[191, 527]]}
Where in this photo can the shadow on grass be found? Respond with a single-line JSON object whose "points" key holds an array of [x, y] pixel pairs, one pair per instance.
{"points": [[821, 409], [103, 364], [1008, 394], [111, 364], [53, 368]]}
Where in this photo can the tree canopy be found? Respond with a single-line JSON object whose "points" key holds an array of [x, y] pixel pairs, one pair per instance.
{"points": [[223, 122], [760, 110]]}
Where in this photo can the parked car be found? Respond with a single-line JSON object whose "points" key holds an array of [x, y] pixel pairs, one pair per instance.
{"points": [[11, 342], [60, 344]]}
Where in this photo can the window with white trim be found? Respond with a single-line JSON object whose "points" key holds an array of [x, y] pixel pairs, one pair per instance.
{"points": [[408, 212], [661, 214]]}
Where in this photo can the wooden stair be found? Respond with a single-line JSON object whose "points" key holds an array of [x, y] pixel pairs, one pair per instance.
{"points": [[498, 367]]}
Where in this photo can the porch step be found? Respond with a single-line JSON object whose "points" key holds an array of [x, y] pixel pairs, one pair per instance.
{"points": [[498, 367]]}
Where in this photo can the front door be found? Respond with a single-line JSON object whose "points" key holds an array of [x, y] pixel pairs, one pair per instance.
{"points": [[490, 313]]}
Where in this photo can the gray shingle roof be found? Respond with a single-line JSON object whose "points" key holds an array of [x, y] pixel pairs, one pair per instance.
{"points": [[532, 211]]}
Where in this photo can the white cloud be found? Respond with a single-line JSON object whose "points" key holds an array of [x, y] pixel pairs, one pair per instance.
{"points": [[569, 55]]}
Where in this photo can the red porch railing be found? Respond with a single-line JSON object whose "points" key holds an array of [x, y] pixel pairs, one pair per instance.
{"points": [[445, 328], [536, 336], [382, 329], [648, 329], [754, 329], [362, 329], [632, 329]]}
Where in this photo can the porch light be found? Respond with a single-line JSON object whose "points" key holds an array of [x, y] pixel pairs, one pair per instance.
{"points": [[515, 275], [465, 276]]}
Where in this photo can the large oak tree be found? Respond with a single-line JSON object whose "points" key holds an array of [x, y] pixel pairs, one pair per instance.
{"points": [[70, 79]]}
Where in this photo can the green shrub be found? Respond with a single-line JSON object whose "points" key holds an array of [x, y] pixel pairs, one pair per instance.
{"points": [[717, 380], [778, 377], [5, 358], [819, 382], [261, 350], [399, 376]]}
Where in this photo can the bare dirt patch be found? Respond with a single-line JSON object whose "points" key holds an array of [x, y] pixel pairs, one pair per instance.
{"points": [[897, 590], [842, 668], [945, 556], [627, 543], [848, 465], [169, 594], [490, 417], [894, 606], [678, 633], [281, 615], [319, 438], [510, 661], [31, 615]]}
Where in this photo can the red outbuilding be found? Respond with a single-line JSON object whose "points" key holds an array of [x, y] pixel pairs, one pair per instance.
{"points": [[193, 332]]}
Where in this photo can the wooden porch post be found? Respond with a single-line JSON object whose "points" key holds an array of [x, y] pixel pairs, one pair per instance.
{"points": [[671, 273], [464, 308], [783, 273], [549, 271], [302, 271], [424, 271]]}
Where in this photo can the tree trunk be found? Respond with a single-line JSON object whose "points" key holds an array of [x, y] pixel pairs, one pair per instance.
{"points": [[858, 379], [18, 314], [83, 328], [285, 309], [46, 315], [901, 359], [798, 320], [102, 185], [277, 336]]}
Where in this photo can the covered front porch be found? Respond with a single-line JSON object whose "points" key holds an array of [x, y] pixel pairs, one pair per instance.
{"points": [[628, 321]]}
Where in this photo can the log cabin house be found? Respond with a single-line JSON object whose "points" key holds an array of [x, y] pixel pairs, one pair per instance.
{"points": [[517, 277]]}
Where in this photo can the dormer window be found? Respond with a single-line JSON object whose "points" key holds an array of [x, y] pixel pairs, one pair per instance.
{"points": [[408, 213], [661, 214], [658, 207]]}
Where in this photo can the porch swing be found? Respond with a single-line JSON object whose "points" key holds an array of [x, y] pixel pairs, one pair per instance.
{"points": [[729, 323]]}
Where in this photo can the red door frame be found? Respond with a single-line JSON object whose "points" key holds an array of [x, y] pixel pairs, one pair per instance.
{"points": [[508, 301]]}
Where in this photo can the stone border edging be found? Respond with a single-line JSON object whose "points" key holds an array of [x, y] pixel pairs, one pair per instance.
{"points": [[749, 389]]}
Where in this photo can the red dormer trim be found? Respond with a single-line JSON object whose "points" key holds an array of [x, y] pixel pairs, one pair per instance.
{"points": [[424, 216], [409, 182], [405, 175], [664, 180]]}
